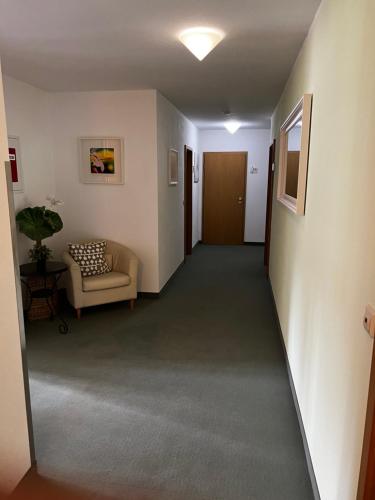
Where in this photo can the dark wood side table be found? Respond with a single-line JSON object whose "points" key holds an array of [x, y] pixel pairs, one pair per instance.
{"points": [[49, 277]]}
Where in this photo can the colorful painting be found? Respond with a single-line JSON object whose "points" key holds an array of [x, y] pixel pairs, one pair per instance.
{"points": [[102, 160]]}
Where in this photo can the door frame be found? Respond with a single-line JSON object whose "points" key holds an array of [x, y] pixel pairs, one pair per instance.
{"points": [[366, 485], [203, 188], [271, 175], [188, 202]]}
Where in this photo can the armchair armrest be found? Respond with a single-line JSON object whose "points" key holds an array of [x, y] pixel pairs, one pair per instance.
{"points": [[125, 261], [70, 262]]}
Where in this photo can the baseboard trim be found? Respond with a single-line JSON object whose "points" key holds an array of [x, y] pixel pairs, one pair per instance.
{"points": [[167, 283], [310, 466], [254, 243], [156, 295]]}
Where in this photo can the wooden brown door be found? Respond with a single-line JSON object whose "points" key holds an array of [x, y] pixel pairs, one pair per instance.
{"points": [[188, 203], [224, 198], [366, 487], [271, 173]]}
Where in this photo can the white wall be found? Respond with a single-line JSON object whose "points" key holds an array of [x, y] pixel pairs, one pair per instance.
{"points": [[256, 143], [48, 125], [28, 116], [173, 131], [14, 441], [322, 265], [124, 213], [144, 213]]}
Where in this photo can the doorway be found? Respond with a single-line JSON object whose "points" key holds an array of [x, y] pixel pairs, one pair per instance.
{"points": [[271, 174], [224, 198], [366, 487], [188, 203]]}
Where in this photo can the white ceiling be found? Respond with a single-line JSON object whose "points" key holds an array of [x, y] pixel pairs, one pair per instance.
{"points": [[122, 44]]}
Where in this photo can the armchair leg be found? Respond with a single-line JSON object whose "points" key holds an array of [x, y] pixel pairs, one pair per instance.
{"points": [[78, 313], [132, 304]]}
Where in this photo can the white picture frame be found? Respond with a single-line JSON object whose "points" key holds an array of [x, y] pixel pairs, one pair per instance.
{"points": [[300, 116], [172, 167], [194, 162], [15, 160], [101, 160], [196, 173]]}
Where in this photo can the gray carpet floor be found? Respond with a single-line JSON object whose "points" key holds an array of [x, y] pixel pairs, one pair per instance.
{"points": [[185, 398]]}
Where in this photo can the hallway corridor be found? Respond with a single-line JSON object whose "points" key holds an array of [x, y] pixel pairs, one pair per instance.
{"points": [[186, 398]]}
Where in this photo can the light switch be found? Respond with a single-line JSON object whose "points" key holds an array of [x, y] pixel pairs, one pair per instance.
{"points": [[369, 320]]}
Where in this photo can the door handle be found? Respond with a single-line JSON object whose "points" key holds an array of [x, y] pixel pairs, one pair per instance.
{"points": [[240, 200]]}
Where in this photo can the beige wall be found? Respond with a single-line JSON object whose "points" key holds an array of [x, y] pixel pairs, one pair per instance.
{"points": [[175, 131], [14, 441], [144, 213], [28, 117], [125, 213], [323, 264], [49, 125]]}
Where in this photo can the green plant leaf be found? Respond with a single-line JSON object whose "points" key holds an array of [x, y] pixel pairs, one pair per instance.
{"points": [[38, 223]]}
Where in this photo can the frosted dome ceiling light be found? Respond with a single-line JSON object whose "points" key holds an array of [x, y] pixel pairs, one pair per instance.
{"points": [[200, 41], [232, 126]]}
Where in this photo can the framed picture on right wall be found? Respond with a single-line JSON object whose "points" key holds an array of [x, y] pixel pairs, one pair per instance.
{"points": [[294, 156], [172, 167], [196, 173]]}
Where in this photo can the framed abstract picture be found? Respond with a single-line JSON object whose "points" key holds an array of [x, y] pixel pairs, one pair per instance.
{"points": [[173, 167], [15, 162], [101, 160]]}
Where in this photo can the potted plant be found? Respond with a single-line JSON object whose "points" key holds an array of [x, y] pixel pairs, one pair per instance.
{"points": [[38, 223]]}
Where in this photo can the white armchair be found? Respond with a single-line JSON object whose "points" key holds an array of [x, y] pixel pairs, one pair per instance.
{"points": [[120, 284]]}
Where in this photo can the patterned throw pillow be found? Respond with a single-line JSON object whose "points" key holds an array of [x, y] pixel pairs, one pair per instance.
{"points": [[90, 257]]}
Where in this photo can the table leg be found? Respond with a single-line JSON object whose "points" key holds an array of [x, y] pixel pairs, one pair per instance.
{"points": [[63, 326]]}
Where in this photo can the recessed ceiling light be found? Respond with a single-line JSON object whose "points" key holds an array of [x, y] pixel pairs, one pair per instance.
{"points": [[232, 126], [200, 41]]}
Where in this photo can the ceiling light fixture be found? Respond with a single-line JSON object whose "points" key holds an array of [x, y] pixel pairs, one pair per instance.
{"points": [[200, 41], [232, 126]]}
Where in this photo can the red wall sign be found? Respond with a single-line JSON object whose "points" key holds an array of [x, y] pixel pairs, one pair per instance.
{"points": [[13, 164]]}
